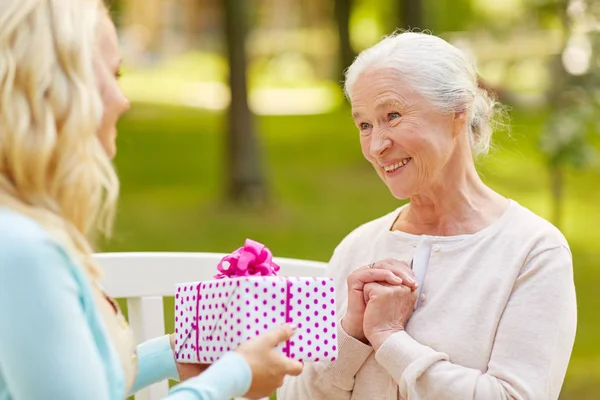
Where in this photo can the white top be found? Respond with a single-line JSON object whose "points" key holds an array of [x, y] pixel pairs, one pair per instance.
{"points": [[498, 321]]}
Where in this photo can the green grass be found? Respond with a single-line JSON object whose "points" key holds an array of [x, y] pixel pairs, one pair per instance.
{"points": [[171, 161]]}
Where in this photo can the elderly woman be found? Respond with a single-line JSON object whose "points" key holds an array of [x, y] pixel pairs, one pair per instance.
{"points": [[496, 315]]}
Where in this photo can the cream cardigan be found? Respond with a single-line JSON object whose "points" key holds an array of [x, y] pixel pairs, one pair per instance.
{"points": [[498, 322]]}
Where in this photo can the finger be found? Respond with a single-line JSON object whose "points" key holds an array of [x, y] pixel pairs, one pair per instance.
{"points": [[370, 289], [400, 268], [381, 288], [403, 271], [375, 275], [403, 287], [293, 367], [415, 297], [281, 334]]}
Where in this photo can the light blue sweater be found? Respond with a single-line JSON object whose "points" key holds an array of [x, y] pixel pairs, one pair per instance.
{"points": [[53, 343]]}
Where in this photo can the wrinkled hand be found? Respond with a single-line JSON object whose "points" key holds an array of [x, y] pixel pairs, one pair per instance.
{"points": [[388, 309], [269, 366], [392, 272]]}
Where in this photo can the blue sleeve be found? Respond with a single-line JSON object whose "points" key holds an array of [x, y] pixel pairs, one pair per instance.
{"points": [[47, 349], [227, 378], [155, 363]]}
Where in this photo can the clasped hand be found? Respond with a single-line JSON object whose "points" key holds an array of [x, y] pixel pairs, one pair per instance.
{"points": [[381, 299]]}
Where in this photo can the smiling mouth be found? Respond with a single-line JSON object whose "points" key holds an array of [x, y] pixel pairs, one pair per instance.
{"points": [[397, 166]]}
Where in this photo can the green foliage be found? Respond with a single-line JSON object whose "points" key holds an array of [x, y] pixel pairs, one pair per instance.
{"points": [[448, 15], [567, 138]]}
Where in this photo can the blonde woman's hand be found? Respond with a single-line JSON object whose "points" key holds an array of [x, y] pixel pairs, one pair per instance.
{"points": [[269, 366], [187, 371]]}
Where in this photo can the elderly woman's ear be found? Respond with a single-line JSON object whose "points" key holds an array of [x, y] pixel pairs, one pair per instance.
{"points": [[460, 121]]}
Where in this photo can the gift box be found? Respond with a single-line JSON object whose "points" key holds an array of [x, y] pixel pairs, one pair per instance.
{"points": [[248, 298]]}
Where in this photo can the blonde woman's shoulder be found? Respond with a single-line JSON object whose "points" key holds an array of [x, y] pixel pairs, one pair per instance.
{"points": [[16, 227], [22, 239]]}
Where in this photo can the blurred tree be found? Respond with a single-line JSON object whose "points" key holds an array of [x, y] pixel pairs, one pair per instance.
{"points": [[448, 15], [245, 178], [566, 139], [343, 10], [411, 14], [316, 13]]}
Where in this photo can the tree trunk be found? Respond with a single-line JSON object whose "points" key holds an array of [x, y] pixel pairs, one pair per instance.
{"points": [[411, 14], [342, 11], [557, 183], [557, 101], [557, 70], [245, 181]]}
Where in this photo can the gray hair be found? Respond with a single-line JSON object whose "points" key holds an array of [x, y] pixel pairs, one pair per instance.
{"points": [[438, 71]]}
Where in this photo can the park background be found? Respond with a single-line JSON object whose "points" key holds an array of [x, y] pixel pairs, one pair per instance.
{"points": [[239, 128]]}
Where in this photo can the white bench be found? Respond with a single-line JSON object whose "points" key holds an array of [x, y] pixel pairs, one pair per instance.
{"points": [[144, 278]]}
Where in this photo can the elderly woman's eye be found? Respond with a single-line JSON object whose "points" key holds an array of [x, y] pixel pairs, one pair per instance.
{"points": [[364, 126], [393, 115]]}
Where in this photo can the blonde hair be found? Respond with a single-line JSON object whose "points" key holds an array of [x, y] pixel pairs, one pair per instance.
{"points": [[52, 166]]}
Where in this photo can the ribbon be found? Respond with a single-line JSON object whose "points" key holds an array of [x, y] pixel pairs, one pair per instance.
{"points": [[198, 321], [288, 309], [254, 259]]}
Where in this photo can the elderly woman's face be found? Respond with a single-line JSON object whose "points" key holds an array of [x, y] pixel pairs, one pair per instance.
{"points": [[405, 138]]}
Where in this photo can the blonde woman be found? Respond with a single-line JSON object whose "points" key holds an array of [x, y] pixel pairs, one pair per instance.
{"points": [[61, 336]]}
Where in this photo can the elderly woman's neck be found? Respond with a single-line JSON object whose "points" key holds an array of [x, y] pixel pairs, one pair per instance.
{"points": [[460, 203]]}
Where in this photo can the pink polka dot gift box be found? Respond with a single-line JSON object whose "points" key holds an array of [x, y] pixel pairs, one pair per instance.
{"points": [[246, 299]]}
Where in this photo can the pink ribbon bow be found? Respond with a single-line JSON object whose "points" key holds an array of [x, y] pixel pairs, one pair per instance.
{"points": [[254, 259]]}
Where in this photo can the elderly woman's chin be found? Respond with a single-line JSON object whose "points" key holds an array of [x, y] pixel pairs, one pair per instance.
{"points": [[400, 190], [399, 186]]}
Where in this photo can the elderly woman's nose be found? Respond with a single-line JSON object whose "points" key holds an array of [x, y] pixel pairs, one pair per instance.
{"points": [[379, 145]]}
